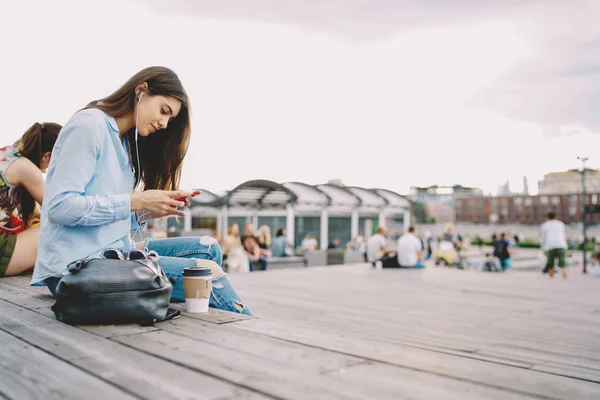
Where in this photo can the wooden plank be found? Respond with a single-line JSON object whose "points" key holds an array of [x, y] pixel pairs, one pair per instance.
{"points": [[395, 305], [310, 358], [213, 315], [24, 297], [441, 334], [397, 328], [396, 334], [278, 380], [278, 350], [276, 368], [453, 366], [136, 372], [372, 333], [29, 373]]}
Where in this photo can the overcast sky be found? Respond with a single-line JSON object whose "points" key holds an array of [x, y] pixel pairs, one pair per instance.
{"points": [[376, 93]]}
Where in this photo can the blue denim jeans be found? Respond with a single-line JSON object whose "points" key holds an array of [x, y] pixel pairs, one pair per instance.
{"points": [[260, 265], [175, 254]]}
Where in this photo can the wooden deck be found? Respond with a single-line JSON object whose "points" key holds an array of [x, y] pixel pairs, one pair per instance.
{"points": [[344, 332]]}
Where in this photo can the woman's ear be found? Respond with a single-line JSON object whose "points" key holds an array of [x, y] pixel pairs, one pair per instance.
{"points": [[46, 157], [141, 88]]}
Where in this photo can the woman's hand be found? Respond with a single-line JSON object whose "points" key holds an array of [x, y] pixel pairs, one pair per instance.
{"points": [[159, 203]]}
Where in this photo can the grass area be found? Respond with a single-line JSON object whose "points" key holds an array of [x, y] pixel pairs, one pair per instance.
{"points": [[530, 244]]}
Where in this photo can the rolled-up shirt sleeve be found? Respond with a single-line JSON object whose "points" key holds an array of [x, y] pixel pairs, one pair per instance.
{"points": [[74, 164]]}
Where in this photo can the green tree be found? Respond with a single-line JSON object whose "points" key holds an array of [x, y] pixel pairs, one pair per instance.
{"points": [[418, 210]]}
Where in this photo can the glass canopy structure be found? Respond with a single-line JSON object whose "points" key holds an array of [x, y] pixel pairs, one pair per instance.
{"points": [[327, 211]]}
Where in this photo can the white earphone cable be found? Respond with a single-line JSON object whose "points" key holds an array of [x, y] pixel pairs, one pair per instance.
{"points": [[137, 151]]}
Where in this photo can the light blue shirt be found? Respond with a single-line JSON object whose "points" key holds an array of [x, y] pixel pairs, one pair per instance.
{"points": [[86, 202], [278, 246]]}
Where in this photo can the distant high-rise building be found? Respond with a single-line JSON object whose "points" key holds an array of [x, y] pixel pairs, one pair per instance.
{"points": [[504, 190], [525, 186]]}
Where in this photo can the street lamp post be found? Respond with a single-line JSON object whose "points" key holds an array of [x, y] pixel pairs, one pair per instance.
{"points": [[584, 213]]}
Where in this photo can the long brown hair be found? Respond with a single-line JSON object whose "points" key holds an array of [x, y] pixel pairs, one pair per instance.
{"points": [[36, 141], [161, 153]]}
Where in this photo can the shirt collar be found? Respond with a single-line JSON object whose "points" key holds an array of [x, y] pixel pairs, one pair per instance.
{"points": [[113, 123]]}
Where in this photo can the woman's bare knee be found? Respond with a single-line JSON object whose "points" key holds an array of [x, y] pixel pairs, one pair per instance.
{"points": [[25, 253]]}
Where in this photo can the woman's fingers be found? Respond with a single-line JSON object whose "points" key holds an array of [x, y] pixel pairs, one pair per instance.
{"points": [[173, 203], [178, 194]]}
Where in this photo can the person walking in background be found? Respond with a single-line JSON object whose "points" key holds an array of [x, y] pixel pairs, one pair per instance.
{"points": [[554, 243]]}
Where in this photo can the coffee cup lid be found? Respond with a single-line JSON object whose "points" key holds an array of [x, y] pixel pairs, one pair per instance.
{"points": [[197, 271]]}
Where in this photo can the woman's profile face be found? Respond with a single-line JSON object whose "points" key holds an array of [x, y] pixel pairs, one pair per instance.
{"points": [[155, 113]]}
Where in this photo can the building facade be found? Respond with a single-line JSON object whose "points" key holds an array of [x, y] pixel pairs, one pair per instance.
{"points": [[439, 201], [521, 209], [569, 182]]}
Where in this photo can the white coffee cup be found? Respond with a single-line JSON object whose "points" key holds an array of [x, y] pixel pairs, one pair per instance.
{"points": [[197, 287]]}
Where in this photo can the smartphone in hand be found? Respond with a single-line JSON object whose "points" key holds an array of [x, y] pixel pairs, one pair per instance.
{"points": [[194, 193]]}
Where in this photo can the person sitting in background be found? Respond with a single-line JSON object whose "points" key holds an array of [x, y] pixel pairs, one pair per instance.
{"points": [[376, 250], [410, 250], [279, 247], [429, 241], [253, 252], [352, 244], [309, 243], [446, 253], [236, 258], [502, 251], [249, 229], [264, 240], [335, 244], [362, 246]]}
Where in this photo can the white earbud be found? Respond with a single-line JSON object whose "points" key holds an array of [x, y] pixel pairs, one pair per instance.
{"points": [[136, 116]]}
